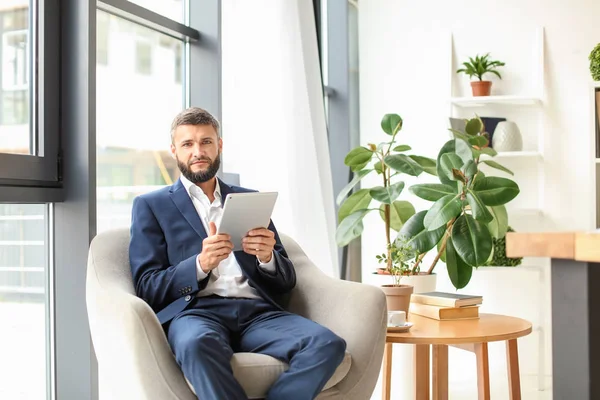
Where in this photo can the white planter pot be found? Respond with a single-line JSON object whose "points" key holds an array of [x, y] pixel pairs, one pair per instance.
{"points": [[420, 283]]}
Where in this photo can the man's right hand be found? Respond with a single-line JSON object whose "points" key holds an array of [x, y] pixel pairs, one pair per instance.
{"points": [[215, 248]]}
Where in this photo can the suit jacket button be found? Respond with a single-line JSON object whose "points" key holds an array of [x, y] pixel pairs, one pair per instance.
{"points": [[188, 297]]}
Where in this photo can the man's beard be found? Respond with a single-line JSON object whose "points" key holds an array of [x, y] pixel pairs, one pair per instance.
{"points": [[200, 176]]}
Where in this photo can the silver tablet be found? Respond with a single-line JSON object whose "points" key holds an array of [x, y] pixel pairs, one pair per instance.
{"points": [[243, 212]]}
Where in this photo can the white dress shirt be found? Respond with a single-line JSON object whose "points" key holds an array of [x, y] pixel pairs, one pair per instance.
{"points": [[227, 279]]}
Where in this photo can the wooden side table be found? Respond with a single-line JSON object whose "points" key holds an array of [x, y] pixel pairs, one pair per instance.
{"points": [[430, 335]]}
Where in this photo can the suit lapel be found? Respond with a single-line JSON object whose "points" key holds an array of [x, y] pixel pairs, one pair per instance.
{"points": [[225, 190], [182, 200]]}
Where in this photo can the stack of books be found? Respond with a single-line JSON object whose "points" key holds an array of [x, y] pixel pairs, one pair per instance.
{"points": [[445, 306]]}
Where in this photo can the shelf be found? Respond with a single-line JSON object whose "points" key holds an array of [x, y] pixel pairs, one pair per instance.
{"points": [[513, 154], [485, 100], [597, 160]]}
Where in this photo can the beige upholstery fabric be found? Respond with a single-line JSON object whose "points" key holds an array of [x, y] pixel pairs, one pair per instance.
{"points": [[257, 372], [136, 362]]}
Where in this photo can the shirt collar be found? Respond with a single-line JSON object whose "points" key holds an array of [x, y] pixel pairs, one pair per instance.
{"points": [[188, 185]]}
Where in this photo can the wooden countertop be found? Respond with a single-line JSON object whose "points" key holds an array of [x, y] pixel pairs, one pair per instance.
{"points": [[580, 246]]}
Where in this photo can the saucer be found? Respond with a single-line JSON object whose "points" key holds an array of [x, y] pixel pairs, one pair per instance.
{"points": [[399, 329]]}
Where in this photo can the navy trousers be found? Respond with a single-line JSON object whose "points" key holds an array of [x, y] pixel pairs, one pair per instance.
{"points": [[205, 336]]}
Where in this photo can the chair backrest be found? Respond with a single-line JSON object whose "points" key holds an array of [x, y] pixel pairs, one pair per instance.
{"points": [[111, 250]]}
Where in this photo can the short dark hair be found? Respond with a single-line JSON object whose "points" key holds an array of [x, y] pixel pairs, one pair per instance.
{"points": [[194, 116]]}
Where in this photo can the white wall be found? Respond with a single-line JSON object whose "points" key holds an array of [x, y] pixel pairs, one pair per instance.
{"points": [[405, 69], [273, 118]]}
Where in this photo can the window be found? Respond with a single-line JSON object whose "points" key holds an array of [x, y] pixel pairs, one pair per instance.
{"points": [[29, 82], [143, 57], [133, 123], [173, 9], [14, 78], [102, 38], [23, 301]]}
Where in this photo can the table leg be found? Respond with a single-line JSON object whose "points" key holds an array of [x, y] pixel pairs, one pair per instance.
{"points": [[440, 372], [483, 371], [512, 361], [422, 372], [387, 372]]}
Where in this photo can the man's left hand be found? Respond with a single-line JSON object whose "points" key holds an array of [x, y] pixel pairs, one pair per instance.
{"points": [[260, 242]]}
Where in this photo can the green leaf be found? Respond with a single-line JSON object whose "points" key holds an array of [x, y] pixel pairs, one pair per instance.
{"points": [[470, 169], [442, 211], [389, 194], [472, 240], [391, 123], [400, 212], [432, 191], [358, 157], [479, 141], [459, 271], [443, 254], [499, 225], [358, 201], [495, 191], [473, 126], [350, 228], [402, 147], [403, 163], [459, 135], [378, 167], [489, 151], [463, 150], [357, 177], [417, 236], [428, 164], [480, 211], [449, 162], [494, 164], [448, 147]]}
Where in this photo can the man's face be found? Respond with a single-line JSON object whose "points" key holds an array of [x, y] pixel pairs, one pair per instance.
{"points": [[197, 149]]}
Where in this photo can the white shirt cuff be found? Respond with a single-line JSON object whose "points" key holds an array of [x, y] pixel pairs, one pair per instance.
{"points": [[201, 275], [270, 266]]}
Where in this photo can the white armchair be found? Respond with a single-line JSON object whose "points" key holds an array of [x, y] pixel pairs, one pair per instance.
{"points": [[136, 362]]}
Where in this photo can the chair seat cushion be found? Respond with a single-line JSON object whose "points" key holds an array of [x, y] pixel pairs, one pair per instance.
{"points": [[257, 373]]}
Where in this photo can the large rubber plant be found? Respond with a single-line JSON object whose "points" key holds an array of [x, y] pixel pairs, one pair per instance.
{"points": [[467, 210]]}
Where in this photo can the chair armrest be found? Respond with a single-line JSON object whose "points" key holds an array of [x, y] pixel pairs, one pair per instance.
{"points": [[354, 311], [134, 356]]}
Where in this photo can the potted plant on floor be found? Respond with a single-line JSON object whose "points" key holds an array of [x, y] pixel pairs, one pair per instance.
{"points": [[468, 209], [389, 161], [479, 67]]}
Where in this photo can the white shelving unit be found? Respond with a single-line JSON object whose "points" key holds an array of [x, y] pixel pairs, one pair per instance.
{"points": [[533, 100], [495, 100], [513, 154], [531, 157]]}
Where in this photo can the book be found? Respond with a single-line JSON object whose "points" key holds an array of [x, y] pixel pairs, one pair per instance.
{"points": [[446, 299], [444, 313]]}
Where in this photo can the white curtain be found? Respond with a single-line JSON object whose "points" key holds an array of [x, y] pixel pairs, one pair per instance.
{"points": [[273, 118]]}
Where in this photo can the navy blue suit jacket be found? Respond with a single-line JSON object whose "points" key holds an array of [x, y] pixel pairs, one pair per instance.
{"points": [[166, 238]]}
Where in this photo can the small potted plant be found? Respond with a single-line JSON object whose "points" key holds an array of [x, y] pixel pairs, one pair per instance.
{"points": [[499, 258], [479, 67], [389, 161]]}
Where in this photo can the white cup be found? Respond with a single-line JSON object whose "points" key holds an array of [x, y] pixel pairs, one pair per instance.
{"points": [[396, 318]]}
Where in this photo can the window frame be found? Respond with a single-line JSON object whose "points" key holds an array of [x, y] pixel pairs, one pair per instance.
{"points": [[41, 167]]}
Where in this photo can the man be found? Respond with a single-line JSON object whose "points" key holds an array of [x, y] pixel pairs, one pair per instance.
{"points": [[211, 300]]}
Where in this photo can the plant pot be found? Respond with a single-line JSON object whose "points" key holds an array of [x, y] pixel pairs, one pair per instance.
{"points": [[421, 283], [481, 88], [397, 297]]}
